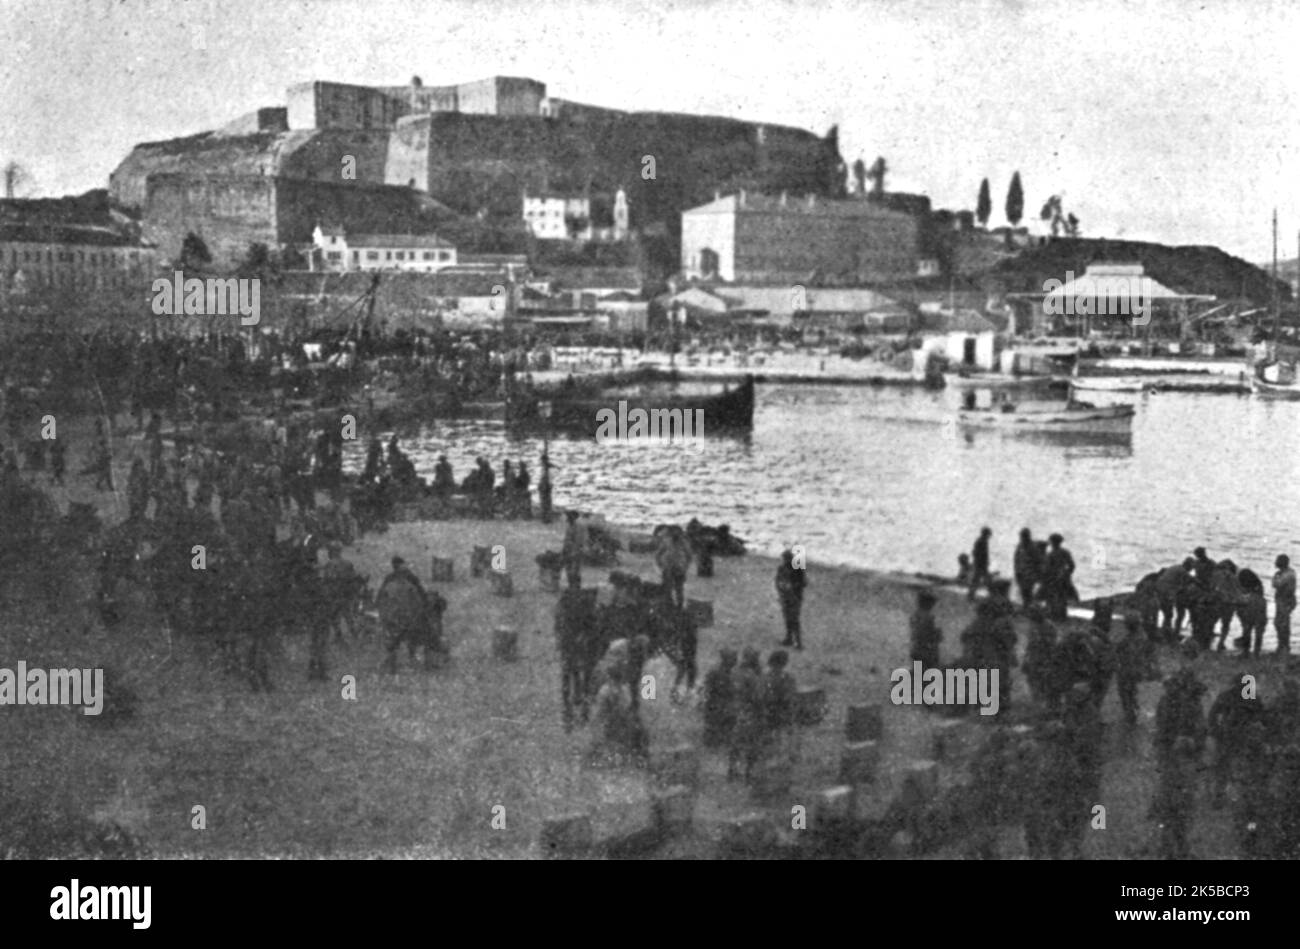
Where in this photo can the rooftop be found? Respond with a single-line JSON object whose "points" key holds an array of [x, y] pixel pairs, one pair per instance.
{"points": [[755, 203], [66, 234], [397, 240]]}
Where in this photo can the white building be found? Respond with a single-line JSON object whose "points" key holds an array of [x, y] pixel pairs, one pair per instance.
{"points": [[558, 217], [333, 249]]}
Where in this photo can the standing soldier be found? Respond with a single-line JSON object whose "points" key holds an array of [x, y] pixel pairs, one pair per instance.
{"points": [[544, 488], [779, 696], [1132, 661], [342, 588], [1235, 722], [747, 736], [403, 610], [925, 632], [1103, 652], [1028, 564], [1229, 596], [575, 636], [720, 701], [673, 558], [1171, 586], [1179, 712], [1284, 584], [1253, 612], [1058, 577], [979, 562], [1043, 665], [575, 544], [790, 584]]}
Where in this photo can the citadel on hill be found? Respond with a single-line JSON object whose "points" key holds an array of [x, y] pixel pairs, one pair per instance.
{"points": [[457, 160], [461, 192]]}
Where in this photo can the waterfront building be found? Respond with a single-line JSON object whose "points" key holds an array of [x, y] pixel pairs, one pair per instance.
{"points": [[37, 258], [334, 249], [759, 238]]}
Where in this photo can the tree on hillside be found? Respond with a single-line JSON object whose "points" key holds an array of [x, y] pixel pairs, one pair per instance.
{"points": [[1015, 200], [877, 175], [15, 176], [860, 176], [984, 205], [257, 261], [1061, 223], [194, 253]]}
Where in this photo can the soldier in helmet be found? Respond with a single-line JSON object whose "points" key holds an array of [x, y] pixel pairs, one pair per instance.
{"points": [[720, 700], [1132, 660], [1179, 712], [1237, 724]]}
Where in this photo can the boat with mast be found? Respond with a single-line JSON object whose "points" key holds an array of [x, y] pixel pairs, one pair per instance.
{"points": [[1275, 377]]}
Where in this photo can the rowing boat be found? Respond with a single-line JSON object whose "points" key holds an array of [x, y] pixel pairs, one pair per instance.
{"points": [[1075, 418]]}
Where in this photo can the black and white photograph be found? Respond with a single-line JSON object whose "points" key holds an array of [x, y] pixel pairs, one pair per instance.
{"points": [[735, 430]]}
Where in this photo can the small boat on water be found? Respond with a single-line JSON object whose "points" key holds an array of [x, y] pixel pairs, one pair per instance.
{"points": [[728, 411], [997, 380], [1275, 380], [1112, 384], [1073, 417]]}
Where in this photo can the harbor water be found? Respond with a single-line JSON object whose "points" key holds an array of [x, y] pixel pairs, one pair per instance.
{"points": [[887, 479]]}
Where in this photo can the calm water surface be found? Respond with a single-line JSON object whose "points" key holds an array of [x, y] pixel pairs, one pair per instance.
{"points": [[875, 478]]}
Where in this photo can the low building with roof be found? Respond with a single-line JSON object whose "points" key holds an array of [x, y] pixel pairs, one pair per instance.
{"points": [[38, 257], [334, 249]]}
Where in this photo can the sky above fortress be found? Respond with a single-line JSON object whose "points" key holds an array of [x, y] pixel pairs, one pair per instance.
{"points": [[1164, 120]]}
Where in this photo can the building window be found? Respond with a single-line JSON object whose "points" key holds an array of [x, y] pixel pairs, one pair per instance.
{"points": [[388, 255], [401, 255], [334, 255], [372, 255]]}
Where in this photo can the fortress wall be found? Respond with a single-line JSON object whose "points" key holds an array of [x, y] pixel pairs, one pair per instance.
{"points": [[228, 211]]}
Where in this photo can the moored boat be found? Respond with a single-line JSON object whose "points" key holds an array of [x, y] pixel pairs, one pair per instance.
{"points": [[731, 410], [1070, 418], [1112, 384], [1275, 380]]}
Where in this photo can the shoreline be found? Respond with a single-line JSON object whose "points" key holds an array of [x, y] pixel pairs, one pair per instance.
{"points": [[414, 765]]}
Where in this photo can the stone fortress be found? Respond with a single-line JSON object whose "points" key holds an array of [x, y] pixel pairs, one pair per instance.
{"points": [[454, 160]]}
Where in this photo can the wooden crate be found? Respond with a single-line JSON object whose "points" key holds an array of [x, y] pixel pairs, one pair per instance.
{"points": [[701, 611], [809, 705], [502, 584], [859, 762], [480, 561], [567, 836], [505, 643], [442, 570], [864, 723], [832, 805], [675, 808], [549, 578]]}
